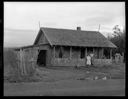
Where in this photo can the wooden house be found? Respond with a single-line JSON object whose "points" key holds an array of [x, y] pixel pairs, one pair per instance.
{"points": [[66, 47]]}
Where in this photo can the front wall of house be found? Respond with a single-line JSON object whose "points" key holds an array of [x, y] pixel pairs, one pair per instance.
{"points": [[75, 53], [75, 59], [66, 52], [66, 60]]}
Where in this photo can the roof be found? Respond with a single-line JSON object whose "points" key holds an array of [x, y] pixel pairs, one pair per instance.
{"points": [[28, 46], [68, 37]]}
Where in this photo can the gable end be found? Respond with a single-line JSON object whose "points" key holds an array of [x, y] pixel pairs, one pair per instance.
{"points": [[41, 38]]}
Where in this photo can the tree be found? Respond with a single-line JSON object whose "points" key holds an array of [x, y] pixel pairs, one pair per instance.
{"points": [[117, 30], [119, 39]]}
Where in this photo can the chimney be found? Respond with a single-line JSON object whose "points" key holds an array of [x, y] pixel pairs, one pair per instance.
{"points": [[78, 28]]}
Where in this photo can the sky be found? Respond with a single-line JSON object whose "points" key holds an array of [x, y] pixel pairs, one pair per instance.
{"points": [[23, 19]]}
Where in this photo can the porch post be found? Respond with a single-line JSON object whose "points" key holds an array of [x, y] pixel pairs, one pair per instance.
{"points": [[93, 50], [85, 54], [86, 50], [97, 53], [54, 51], [70, 52], [110, 53], [102, 52], [79, 53]]}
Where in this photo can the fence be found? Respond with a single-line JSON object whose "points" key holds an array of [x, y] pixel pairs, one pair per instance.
{"points": [[26, 60]]}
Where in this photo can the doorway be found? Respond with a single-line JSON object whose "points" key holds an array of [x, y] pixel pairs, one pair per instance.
{"points": [[41, 60], [107, 53]]}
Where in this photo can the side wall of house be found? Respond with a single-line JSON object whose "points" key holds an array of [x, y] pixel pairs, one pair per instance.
{"points": [[48, 53], [43, 40]]}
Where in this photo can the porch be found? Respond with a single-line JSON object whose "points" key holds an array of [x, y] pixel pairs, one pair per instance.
{"points": [[72, 56]]}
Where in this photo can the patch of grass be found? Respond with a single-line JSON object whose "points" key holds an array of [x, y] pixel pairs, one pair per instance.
{"points": [[113, 71], [56, 73]]}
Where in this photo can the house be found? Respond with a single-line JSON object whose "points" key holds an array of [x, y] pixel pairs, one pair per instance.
{"points": [[66, 47]]}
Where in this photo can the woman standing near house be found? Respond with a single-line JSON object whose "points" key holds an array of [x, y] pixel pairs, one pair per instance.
{"points": [[92, 58], [88, 58]]}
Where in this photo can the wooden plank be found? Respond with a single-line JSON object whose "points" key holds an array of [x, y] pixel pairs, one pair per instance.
{"points": [[18, 60], [21, 70], [54, 50], [23, 60]]}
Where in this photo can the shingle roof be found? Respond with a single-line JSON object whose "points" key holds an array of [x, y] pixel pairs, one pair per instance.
{"points": [[68, 37]]}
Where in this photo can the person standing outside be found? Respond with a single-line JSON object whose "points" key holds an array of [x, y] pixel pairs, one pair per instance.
{"points": [[88, 58], [92, 58]]}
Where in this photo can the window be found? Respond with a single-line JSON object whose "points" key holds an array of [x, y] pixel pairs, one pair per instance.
{"points": [[82, 53]]}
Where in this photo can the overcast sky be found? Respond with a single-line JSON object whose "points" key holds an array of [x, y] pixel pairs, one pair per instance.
{"points": [[21, 19]]}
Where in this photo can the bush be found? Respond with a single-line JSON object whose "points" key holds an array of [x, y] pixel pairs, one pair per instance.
{"points": [[10, 63]]}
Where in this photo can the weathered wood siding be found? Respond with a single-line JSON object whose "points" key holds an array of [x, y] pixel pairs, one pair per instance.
{"points": [[26, 59]]}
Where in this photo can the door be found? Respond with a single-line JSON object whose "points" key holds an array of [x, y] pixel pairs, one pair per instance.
{"points": [[41, 61]]}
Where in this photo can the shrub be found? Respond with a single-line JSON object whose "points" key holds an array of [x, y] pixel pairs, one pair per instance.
{"points": [[10, 61]]}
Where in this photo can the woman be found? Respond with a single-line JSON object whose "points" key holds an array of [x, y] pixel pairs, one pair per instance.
{"points": [[92, 58], [88, 58]]}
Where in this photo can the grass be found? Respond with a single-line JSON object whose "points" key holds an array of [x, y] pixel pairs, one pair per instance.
{"points": [[56, 73], [67, 88], [63, 81], [111, 72]]}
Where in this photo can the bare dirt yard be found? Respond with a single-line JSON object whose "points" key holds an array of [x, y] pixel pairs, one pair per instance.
{"points": [[69, 81]]}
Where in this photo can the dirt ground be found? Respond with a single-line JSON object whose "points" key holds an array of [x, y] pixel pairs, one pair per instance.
{"points": [[69, 81]]}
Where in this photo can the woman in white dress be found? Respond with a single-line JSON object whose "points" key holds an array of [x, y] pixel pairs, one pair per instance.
{"points": [[88, 60], [92, 58]]}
